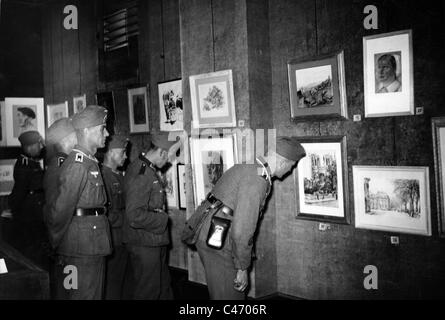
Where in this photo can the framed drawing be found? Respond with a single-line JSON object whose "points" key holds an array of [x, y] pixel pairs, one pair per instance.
{"points": [[79, 103], [6, 176], [106, 100], [181, 186], [211, 157], [23, 114], [56, 111], [213, 101], [2, 124], [171, 114], [393, 199], [438, 126], [171, 185], [138, 110], [317, 88], [322, 180], [388, 74]]}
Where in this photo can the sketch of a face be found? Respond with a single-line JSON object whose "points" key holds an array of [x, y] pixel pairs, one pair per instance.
{"points": [[21, 118], [386, 68]]}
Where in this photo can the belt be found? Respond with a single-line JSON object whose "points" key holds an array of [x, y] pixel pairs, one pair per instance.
{"points": [[80, 212], [216, 202]]}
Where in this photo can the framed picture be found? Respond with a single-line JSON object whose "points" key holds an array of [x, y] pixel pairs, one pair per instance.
{"points": [[6, 176], [56, 111], [213, 101], [322, 180], [79, 103], [317, 87], [171, 185], [23, 114], [388, 74], [181, 186], [2, 124], [211, 157], [171, 112], [438, 126], [138, 110], [395, 199], [106, 100]]}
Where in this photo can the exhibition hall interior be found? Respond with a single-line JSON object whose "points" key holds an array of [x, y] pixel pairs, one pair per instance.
{"points": [[302, 141]]}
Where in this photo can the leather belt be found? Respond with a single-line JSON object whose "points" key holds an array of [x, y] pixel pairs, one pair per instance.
{"points": [[215, 202], [80, 212]]}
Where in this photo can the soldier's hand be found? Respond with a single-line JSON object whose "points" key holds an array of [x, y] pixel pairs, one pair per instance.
{"points": [[241, 281]]}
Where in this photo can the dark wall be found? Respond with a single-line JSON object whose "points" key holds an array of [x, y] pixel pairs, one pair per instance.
{"points": [[326, 265]]}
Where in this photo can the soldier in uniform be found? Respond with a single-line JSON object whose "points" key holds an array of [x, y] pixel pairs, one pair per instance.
{"points": [[114, 182], [146, 221], [79, 222], [239, 196], [27, 198], [60, 141]]}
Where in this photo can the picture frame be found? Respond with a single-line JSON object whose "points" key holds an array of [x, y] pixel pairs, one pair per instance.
{"points": [[79, 103], [211, 157], [438, 129], [213, 101], [388, 74], [182, 200], [23, 114], [138, 110], [394, 199], [317, 87], [171, 111], [55, 112], [2, 123], [6, 176], [171, 185], [321, 180], [106, 100]]}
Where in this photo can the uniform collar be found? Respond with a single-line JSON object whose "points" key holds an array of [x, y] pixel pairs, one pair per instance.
{"points": [[85, 152], [146, 161], [266, 174]]}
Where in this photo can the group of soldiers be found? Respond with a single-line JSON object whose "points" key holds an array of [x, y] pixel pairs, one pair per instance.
{"points": [[99, 221]]}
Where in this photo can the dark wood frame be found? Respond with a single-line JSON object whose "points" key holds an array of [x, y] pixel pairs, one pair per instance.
{"points": [[436, 124], [346, 219]]}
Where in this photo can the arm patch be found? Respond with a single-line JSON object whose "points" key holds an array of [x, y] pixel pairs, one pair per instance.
{"points": [[79, 157]]}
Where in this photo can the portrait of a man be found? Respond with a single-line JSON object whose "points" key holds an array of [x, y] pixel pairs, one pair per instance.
{"points": [[387, 72]]}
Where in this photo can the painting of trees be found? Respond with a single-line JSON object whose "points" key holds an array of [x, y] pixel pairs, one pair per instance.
{"points": [[409, 194], [214, 99]]}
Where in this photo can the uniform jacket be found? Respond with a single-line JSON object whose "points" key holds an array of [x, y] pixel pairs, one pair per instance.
{"points": [[27, 198], [80, 185], [244, 190], [114, 183], [145, 221]]}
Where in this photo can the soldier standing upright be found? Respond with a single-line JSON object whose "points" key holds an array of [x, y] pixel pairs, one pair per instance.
{"points": [[78, 210]]}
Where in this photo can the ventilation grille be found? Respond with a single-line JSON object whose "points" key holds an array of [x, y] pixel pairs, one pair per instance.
{"points": [[120, 26]]}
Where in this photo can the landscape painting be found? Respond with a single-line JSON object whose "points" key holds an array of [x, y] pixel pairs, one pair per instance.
{"points": [[314, 87]]}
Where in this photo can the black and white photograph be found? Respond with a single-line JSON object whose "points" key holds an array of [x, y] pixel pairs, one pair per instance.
{"points": [[55, 112], [171, 110], [138, 110]]}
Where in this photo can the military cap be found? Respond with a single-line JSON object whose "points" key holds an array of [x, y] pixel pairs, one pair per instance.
{"points": [[290, 148], [59, 130], [117, 142], [29, 138], [91, 116], [27, 112], [161, 140]]}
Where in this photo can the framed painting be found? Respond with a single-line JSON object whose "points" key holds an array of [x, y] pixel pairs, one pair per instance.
{"points": [[2, 124], [79, 103], [23, 114], [106, 100], [56, 111], [395, 199], [388, 74], [438, 126], [6, 176], [213, 101], [171, 185], [138, 110], [317, 87], [171, 111], [322, 180], [181, 186], [211, 157]]}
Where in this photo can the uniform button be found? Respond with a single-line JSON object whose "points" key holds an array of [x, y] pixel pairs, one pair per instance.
{"points": [[97, 184], [94, 227]]}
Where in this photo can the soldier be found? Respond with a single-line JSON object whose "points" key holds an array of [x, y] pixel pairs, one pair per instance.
{"points": [[78, 210], [27, 198], [60, 140], [231, 212], [145, 224], [114, 182]]}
